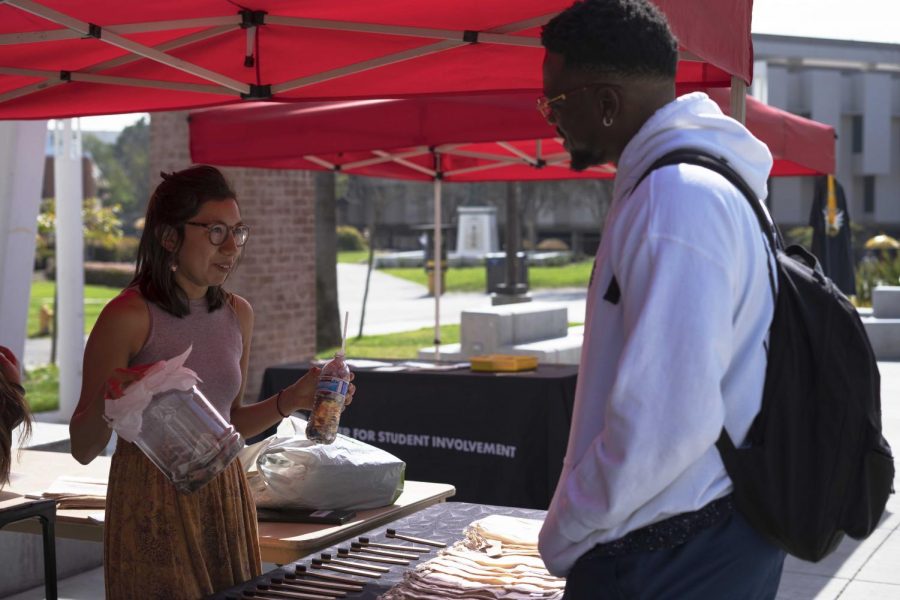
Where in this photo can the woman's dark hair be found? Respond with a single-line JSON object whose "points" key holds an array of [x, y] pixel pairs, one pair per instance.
{"points": [[624, 37], [174, 202], [13, 412]]}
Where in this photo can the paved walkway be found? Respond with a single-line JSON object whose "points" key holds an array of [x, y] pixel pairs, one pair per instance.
{"points": [[395, 304]]}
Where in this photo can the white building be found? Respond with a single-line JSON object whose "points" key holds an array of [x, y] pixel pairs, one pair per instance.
{"points": [[855, 88]]}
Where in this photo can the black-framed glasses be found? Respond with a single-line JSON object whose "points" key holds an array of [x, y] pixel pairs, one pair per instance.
{"points": [[218, 232], [545, 104]]}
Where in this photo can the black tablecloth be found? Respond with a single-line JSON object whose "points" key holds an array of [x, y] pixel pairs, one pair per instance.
{"points": [[498, 438], [443, 522]]}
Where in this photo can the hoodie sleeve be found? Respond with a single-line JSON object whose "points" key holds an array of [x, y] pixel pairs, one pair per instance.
{"points": [[665, 408]]}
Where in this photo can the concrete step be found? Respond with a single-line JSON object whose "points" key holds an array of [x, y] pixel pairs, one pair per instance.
{"points": [[884, 335]]}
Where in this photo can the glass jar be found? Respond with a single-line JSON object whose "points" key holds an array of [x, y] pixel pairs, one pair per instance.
{"points": [[187, 438]]}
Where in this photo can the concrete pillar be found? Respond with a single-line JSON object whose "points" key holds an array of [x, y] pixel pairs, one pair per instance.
{"points": [[876, 111], [21, 174], [69, 263]]}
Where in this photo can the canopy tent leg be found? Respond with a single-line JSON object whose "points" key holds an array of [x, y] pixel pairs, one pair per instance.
{"points": [[438, 244], [68, 188], [21, 174], [738, 99]]}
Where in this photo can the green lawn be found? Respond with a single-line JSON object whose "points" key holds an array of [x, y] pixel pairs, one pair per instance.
{"points": [[473, 279], [95, 298], [395, 345], [355, 256], [42, 384]]}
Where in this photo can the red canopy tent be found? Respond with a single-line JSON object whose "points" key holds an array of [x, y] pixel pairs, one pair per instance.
{"points": [[447, 139], [399, 138], [61, 58]]}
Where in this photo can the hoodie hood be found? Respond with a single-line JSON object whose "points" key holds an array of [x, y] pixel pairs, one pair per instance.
{"points": [[694, 121]]}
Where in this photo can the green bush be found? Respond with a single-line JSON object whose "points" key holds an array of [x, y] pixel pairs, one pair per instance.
{"points": [[349, 238], [122, 250], [873, 272], [114, 275]]}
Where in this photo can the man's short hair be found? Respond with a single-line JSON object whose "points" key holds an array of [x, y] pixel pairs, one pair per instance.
{"points": [[624, 37]]}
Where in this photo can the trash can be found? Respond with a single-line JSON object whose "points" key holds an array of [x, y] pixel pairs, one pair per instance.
{"points": [[429, 268], [495, 265]]}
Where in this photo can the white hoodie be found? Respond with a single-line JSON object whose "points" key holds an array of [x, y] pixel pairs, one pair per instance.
{"points": [[682, 351]]}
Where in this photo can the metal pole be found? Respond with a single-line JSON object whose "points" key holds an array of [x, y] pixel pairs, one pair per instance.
{"points": [[738, 99], [437, 260]]}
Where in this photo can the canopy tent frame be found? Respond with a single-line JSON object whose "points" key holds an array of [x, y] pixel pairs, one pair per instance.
{"points": [[434, 161], [233, 89]]}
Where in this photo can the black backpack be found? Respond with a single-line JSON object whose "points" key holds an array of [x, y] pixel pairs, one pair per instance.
{"points": [[815, 464]]}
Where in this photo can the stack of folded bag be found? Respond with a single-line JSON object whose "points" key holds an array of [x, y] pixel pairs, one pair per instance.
{"points": [[498, 558]]}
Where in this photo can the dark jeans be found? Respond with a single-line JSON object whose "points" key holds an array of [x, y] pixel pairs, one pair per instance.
{"points": [[726, 561]]}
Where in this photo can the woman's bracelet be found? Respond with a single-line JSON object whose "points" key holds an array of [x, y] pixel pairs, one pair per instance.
{"points": [[278, 405], [18, 387]]}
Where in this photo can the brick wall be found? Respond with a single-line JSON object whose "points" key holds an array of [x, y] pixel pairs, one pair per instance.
{"points": [[278, 269]]}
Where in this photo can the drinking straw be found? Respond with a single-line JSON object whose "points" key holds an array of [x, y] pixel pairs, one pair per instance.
{"points": [[344, 337]]}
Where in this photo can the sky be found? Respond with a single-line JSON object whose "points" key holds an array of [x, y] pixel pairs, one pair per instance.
{"points": [[860, 20]]}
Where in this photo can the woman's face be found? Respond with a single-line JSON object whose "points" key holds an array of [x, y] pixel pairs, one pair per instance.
{"points": [[200, 263]]}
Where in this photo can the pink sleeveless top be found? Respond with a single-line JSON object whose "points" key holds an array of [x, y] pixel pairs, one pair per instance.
{"points": [[217, 346]]}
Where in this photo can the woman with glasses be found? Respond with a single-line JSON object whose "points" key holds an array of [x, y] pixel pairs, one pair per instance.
{"points": [[160, 543]]}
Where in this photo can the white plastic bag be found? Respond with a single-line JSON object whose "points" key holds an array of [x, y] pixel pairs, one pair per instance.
{"points": [[293, 472]]}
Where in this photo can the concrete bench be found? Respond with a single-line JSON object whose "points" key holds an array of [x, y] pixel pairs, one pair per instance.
{"points": [[883, 323], [488, 330], [531, 329]]}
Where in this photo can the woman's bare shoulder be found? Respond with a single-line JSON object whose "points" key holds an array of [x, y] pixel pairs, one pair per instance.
{"points": [[241, 305], [128, 310]]}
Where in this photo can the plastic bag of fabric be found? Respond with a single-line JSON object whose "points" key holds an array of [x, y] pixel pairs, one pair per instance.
{"points": [[293, 472]]}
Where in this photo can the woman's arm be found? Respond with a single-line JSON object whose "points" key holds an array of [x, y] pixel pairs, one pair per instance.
{"points": [[118, 335], [253, 419]]}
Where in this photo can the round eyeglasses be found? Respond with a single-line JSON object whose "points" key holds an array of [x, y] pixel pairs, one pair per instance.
{"points": [[218, 232]]}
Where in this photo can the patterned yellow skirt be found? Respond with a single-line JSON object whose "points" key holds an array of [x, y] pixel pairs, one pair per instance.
{"points": [[159, 543]]}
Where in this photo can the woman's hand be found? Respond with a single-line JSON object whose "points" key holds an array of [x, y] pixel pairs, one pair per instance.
{"points": [[350, 391], [301, 393], [9, 366], [114, 387]]}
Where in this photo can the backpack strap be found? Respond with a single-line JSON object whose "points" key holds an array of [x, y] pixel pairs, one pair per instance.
{"points": [[720, 165]]}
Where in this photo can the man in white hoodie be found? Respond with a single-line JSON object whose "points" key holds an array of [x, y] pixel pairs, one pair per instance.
{"points": [[678, 313]]}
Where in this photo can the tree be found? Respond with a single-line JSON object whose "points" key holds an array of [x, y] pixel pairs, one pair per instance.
{"points": [[101, 225], [132, 151], [328, 319], [125, 171]]}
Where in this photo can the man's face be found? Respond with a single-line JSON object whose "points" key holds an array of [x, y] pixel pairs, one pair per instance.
{"points": [[578, 117]]}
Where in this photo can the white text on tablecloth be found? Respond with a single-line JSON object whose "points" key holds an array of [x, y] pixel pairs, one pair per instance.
{"points": [[431, 441]]}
